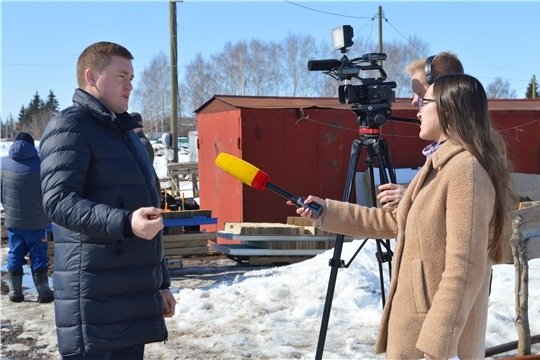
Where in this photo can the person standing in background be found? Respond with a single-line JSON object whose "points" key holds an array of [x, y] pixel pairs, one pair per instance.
{"points": [[147, 145], [423, 72], [25, 219]]}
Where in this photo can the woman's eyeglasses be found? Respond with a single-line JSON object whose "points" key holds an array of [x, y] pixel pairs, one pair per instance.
{"points": [[423, 102]]}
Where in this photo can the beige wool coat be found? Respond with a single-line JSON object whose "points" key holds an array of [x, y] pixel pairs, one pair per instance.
{"points": [[438, 297]]}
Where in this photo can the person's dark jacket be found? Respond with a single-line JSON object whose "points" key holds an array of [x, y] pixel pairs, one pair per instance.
{"points": [[147, 145], [150, 150], [21, 188], [95, 173]]}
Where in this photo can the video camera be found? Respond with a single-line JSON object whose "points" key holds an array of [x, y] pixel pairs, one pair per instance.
{"points": [[371, 100]]}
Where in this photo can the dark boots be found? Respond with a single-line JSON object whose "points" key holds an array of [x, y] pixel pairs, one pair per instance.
{"points": [[41, 280], [15, 285]]}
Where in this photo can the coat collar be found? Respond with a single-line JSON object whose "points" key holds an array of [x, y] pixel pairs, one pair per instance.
{"points": [[439, 158], [447, 151], [95, 107]]}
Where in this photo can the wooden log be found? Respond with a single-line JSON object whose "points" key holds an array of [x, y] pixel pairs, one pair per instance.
{"points": [[525, 226], [499, 349]]}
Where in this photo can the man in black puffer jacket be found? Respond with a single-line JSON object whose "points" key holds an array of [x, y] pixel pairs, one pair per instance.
{"points": [[110, 280]]}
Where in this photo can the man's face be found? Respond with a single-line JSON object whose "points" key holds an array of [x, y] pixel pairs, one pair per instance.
{"points": [[112, 87], [419, 86]]}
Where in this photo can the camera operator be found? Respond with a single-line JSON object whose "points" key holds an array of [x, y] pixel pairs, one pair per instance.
{"points": [[441, 64]]}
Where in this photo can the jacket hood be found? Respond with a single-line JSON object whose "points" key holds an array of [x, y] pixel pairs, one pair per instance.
{"points": [[22, 150]]}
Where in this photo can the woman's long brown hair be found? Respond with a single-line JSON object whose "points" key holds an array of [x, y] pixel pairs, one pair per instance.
{"points": [[463, 112]]}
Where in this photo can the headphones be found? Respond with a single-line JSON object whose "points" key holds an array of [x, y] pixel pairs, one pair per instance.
{"points": [[429, 77]]}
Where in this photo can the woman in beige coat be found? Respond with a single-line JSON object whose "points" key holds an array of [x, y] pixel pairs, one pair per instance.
{"points": [[448, 226]]}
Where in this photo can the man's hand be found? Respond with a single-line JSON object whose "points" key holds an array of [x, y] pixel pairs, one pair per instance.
{"points": [[169, 303], [390, 195], [146, 222]]}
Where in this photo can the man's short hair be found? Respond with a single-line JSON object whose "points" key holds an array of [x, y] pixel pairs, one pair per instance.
{"points": [[97, 57], [443, 63], [446, 63]]}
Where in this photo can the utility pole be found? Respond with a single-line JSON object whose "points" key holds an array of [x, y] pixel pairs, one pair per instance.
{"points": [[533, 87], [174, 81], [380, 34]]}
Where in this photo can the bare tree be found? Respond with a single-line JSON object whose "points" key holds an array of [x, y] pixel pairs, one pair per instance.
{"points": [[275, 69], [200, 82], [152, 93], [258, 69], [36, 123], [500, 89], [298, 49], [280, 68]]}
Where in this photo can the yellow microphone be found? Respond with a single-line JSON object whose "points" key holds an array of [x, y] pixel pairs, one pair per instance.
{"points": [[258, 179]]}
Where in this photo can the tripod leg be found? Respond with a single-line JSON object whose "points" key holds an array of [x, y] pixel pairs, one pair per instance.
{"points": [[373, 149], [387, 174], [336, 262], [384, 160]]}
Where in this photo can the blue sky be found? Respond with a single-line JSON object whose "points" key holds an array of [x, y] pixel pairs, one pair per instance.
{"points": [[42, 40]]}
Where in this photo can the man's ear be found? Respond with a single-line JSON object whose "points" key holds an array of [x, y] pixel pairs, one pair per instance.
{"points": [[91, 77]]}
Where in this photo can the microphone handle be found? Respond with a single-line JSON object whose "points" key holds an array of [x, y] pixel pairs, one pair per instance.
{"points": [[315, 208]]}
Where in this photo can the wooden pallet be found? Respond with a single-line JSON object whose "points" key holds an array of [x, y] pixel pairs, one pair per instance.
{"points": [[274, 243]]}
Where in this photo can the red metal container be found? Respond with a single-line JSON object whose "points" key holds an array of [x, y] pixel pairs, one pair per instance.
{"points": [[304, 144]]}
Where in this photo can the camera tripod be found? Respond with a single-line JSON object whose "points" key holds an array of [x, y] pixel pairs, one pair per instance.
{"points": [[375, 148]]}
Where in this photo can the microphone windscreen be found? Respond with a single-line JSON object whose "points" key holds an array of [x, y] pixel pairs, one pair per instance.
{"points": [[322, 65], [243, 171]]}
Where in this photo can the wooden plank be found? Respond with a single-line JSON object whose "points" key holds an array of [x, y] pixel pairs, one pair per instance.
{"points": [[176, 169], [186, 251], [245, 228], [530, 227], [188, 237], [305, 238], [243, 250], [185, 244], [533, 248], [530, 221]]}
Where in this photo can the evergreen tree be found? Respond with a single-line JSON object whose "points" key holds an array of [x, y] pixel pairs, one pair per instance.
{"points": [[34, 117], [35, 105], [51, 104], [22, 114], [529, 92]]}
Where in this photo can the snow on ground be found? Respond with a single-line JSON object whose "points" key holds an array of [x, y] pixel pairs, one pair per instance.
{"points": [[268, 313], [276, 312]]}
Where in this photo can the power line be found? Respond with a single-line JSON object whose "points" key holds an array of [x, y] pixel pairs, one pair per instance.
{"points": [[407, 40], [326, 12]]}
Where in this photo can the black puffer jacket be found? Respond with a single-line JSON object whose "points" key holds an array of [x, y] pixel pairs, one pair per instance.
{"points": [[95, 173], [20, 188]]}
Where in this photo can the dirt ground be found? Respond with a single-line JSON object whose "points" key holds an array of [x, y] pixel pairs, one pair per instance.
{"points": [[197, 272]]}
